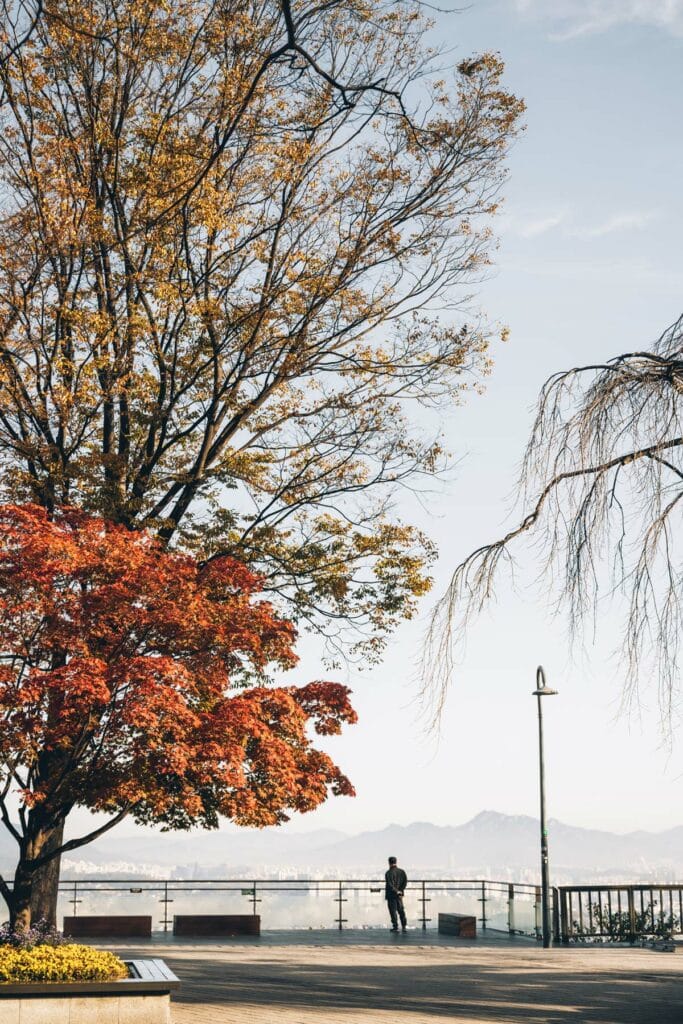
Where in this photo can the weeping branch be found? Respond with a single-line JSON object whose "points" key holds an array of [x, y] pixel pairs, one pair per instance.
{"points": [[602, 478]]}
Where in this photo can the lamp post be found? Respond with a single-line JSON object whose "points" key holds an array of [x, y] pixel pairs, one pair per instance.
{"points": [[542, 690]]}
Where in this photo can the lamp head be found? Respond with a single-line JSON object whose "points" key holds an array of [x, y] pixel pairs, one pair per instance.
{"points": [[541, 689]]}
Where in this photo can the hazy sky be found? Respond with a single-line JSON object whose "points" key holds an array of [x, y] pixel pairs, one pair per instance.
{"points": [[589, 266]]}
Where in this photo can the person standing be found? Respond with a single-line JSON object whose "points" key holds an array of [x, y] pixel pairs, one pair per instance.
{"points": [[395, 881]]}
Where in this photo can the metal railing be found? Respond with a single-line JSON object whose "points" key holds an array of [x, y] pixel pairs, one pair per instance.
{"points": [[580, 913], [620, 913], [511, 907]]}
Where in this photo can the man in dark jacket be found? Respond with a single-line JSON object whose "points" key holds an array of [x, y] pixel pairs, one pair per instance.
{"points": [[396, 881]]}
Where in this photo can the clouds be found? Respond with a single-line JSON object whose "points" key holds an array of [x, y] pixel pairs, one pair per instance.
{"points": [[535, 225], [571, 18], [626, 221], [540, 226]]}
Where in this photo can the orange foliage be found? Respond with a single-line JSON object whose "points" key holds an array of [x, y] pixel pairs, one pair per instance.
{"points": [[132, 680]]}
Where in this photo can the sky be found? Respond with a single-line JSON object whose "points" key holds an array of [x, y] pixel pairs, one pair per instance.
{"points": [[589, 266]]}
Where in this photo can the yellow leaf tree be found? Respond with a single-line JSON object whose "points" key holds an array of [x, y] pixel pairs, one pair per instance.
{"points": [[228, 234], [225, 228]]}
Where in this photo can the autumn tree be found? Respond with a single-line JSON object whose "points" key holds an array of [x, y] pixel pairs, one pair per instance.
{"points": [[132, 683], [601, 489], [226, 230]]}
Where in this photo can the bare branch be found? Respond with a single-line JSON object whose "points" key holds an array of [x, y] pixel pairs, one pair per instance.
{"points": [[5, 891], [593, 511]]}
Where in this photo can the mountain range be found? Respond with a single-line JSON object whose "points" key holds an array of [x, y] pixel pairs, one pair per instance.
{"points": [[491, 844]]}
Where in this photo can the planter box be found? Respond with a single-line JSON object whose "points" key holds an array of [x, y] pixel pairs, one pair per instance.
{"points": [[216, 924], [142, 998]]}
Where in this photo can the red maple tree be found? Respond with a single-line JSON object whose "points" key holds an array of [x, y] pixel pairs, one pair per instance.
{"points": [[132, 683]]}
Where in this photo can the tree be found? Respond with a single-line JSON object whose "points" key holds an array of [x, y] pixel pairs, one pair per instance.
{"points": [[602, 483], [225, 232], [132, 683], [226, 229]]}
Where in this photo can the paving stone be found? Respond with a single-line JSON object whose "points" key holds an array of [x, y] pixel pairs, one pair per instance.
{"points": [[310, 979]]}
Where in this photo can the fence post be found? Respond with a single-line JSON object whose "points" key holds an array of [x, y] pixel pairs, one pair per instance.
{"points": [[339, 898], [556, 914], [537, 913], [254, 899], [511, 908], [424, 899], [565, 923], [74, 899], [482, 900], [165, 900], [631, 914]]}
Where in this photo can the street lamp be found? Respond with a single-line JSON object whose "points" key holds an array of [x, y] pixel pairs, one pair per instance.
{"points": [[543, 691]]}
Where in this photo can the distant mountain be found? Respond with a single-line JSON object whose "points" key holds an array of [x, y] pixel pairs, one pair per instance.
{"points": [[199, 854], [500, 845], [508, 845], [491, 844]]}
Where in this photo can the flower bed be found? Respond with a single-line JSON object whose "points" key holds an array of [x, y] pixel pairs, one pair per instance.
{"points": [[141, 997], [44, 978], [59, 963]]}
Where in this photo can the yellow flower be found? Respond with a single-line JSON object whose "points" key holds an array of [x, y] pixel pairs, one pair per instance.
{"points": [[59, 963]]}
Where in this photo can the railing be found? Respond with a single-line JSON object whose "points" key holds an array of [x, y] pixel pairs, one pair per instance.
{"points": [[620, 913], [511, 907], [580, 913]]}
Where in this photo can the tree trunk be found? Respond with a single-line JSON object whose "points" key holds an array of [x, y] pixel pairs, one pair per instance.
{"points": [[20, 907], [34, 895], [45, 889]]}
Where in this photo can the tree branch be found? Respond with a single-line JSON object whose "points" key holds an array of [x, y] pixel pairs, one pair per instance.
{"points": [[74, 844], [6, 893]]}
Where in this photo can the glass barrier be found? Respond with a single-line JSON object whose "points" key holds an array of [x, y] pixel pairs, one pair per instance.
{"points": [[305, 903]]}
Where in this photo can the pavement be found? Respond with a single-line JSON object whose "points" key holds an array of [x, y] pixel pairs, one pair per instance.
{"points": [[371, 977]]}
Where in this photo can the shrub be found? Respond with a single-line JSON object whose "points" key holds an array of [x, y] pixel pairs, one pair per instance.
{"points": [[67, 962], [618, 927]]}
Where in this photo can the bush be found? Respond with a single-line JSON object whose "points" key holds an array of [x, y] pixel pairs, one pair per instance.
{"points": [[66, 962], [618, 927]]}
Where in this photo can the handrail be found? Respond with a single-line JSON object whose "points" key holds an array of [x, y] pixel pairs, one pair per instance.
{"points": [[484, 891], [628, 912]]}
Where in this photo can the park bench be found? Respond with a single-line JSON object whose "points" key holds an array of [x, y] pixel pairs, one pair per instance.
{"points": [[119, 926], [462, 925], [216, 924]]}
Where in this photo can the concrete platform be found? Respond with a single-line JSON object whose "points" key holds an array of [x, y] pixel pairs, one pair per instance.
{"points": [[420, 978]]}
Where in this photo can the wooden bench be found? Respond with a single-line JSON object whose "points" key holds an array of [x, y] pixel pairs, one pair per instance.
{"points": [[462, 925], [216, 924], [109, 927]]}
